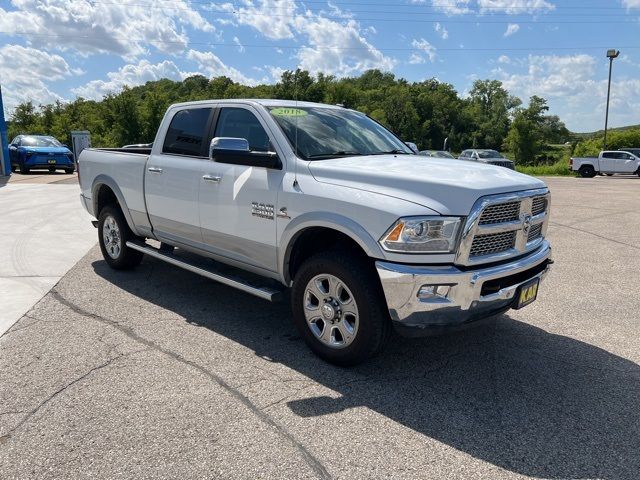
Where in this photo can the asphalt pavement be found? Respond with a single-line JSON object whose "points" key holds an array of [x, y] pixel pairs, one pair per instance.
{"points": [[159, 373]]}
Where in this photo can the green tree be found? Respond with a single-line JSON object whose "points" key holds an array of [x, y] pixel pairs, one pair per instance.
{"points": [[525, 138], [490, 105]]}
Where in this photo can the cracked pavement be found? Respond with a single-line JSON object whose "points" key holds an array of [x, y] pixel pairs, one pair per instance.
{"points": [[159, 373]]}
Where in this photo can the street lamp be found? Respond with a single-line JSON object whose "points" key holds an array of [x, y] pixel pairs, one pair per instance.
{"points": [[611, 54]]}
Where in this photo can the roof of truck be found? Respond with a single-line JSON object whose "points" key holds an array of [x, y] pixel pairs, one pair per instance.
{"points": [[267, 102]]}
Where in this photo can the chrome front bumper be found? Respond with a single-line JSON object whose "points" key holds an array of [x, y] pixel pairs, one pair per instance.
{"points": [[424, 299]]}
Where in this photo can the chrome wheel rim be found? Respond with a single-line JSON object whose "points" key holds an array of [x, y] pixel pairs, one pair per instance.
{"points": [[331, 311], [111, 237]]}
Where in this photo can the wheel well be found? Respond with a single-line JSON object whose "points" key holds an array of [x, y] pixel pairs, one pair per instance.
{"points": [[317, 239], [105, 196]]}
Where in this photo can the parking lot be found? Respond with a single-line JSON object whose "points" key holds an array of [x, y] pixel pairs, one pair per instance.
{"points": [[160, 373]]}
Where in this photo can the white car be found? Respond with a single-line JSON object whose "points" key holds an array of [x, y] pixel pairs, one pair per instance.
{"points": [[328, 203], [491, 157], [608, 162]]}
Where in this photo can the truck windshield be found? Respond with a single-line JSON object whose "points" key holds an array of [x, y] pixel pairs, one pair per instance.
{"points": [[318, 133]]}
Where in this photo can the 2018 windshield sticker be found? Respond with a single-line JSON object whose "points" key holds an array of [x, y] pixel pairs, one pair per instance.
{"points": [[288, 112]]}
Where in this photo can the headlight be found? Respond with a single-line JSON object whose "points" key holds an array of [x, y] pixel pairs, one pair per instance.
{"points": [[422, 235]]}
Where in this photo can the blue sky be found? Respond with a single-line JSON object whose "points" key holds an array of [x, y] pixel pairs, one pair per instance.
{"points": [[62, 49]]}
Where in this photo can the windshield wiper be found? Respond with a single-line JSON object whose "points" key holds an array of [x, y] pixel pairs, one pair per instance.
{"points": [[341, 153], [389, 152]]}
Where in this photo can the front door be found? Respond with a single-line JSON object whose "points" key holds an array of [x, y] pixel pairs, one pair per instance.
{"points": [[238, 204], [173, 176], [626, 163]]}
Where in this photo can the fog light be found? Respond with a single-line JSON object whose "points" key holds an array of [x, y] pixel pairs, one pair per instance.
{"points": [[428, 292]]}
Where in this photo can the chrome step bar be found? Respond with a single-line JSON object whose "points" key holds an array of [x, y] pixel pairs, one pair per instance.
{"points": [[265, 293]]}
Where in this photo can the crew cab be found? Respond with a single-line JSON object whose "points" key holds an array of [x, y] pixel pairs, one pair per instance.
{"points": [[269, 195], [608, 162]]}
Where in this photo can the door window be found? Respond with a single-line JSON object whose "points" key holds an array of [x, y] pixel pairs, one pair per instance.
{"points": [[187, 133], [241, 123]]}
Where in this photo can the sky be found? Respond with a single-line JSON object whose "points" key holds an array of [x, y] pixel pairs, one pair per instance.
{"points": [[64, 49]]}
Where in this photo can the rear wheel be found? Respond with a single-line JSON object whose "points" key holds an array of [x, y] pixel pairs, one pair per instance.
{"points": [[113, 235], [338, 308], [587, 171]]}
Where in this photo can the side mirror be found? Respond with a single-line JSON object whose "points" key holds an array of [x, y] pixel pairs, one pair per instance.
{"points": [[235, 151], [66, 146], [13, 145], [412, 146]]}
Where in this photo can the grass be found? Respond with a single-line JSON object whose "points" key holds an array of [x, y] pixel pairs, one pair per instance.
{"points": [[559, 168]]}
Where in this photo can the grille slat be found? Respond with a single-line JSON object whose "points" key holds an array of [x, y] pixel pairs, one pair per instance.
{"points": [[492, 243], [501, 213], [539, 206], [535, 232]]}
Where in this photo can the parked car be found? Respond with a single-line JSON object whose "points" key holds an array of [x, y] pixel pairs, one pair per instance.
{"points": [[492, 157], [608, 162], [633, 150], [436, 154], [328, 203], [35, 152]]}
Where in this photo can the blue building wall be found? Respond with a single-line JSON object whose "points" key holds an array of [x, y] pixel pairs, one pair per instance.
{"points": [[4, 141]]}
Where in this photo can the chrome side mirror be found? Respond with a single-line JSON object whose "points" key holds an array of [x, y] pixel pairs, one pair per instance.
{"points": [[228, 144]]}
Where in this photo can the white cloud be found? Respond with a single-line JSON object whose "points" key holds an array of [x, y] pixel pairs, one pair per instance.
{"points": [[212, 66], [515, 7], [512, 28], [126, 28], [631, 3], [504, 59], [130, 75], [338, 48], [450, 7], [439, 28], [575, 89], [425, 47], [23, 72]]}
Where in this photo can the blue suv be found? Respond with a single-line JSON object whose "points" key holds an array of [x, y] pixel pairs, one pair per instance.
{"points": [[29, 152]]}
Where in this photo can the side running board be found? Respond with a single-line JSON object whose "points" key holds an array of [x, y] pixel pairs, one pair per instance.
{"points": [[208, 271]]}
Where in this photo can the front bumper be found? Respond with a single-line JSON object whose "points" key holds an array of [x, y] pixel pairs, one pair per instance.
{"points": [[427, 299]]}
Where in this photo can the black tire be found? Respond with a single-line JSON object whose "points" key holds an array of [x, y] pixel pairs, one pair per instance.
{"points": [[121, 258], [69, 171], [52, 169], [23, 170], [587, 171], [14, 168], [609, 174], [359, 277]]}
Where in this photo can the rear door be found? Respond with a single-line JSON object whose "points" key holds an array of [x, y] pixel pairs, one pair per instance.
{"points": [[238, 203], [173, 175], [608, 162]]}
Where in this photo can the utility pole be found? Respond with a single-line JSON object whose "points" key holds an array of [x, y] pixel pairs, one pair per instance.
{"points": [[611, 54], [5, 161]]}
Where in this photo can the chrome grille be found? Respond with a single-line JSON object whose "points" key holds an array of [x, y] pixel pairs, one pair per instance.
{"points": [[492, 243], [500, 163], [539, 206], [535, 232], [503, 212], [503, 226]]}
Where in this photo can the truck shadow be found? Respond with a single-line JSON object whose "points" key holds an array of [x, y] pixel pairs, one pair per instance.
{"points": [[523, 399]]}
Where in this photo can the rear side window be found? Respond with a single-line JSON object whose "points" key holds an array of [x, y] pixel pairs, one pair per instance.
{"points": [[241, 123], [187, 133], [609, 155]]}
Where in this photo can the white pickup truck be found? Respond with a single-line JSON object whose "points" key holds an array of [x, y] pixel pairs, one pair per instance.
{"points": [[327, 202], [608, 162]]}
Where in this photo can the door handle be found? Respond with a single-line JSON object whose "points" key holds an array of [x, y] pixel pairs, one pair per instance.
{"points": [[154, 170], [211, 178]]}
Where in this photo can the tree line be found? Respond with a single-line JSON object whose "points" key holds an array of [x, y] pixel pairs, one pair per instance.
{"points": [[426, 112]]}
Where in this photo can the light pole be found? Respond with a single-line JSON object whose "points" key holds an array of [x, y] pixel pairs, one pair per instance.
{"points": [[611, 54]]}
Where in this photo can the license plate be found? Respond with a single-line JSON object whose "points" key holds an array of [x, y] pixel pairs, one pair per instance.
{"points": [[527, 293], [52, 162]]}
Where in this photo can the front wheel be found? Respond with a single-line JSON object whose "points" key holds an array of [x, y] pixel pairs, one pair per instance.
{"points": [[113, 235], [339, 309], [14, 168], [23, 169], [69, 171], [587, 171]]}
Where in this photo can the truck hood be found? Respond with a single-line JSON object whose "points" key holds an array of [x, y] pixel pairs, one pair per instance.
{"points": [[450, 187]]}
